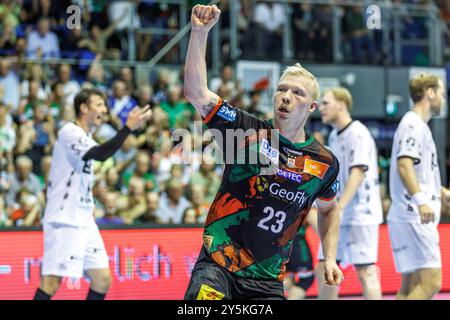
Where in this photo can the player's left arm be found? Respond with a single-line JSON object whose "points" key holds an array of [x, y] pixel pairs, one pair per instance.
{"points": [[328, 219]]}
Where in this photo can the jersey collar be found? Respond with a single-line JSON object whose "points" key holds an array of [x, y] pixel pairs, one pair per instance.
{"points": [[309, 137]]}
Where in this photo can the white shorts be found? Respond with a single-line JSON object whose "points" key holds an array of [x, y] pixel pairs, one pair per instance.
{"points": [[415, 246], [69, 250], [358, 245]]}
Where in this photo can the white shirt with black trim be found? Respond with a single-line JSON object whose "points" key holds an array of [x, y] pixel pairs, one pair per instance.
{"points": [[354, 147], [69, 193], [413, 139]]}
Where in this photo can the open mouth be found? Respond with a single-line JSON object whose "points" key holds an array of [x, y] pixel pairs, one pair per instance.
{"points": [[283, 111]]}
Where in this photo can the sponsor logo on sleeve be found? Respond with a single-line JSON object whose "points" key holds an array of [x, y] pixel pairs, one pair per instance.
{"points": [[271, 153], [315, 168], [227, 113], [335, 186]]}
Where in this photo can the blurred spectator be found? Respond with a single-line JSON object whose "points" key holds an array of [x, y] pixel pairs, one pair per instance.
{"points": [[199, 210], [120, 103], [69, 46], [172, 204], [29, 103], [9, 81], [99, 191], [269, 18], [23, 179], [28, 211], [67, 115], [56, 100], [25, 138], [226, 78], [112, 180], [110, 216], [54, 11], [71, 87], [45, 165], [161, 86], [255, 104], [142, 160], [244, 21], [323, 38], [145, 95], [149, 216], [7, 132], [131, 19], [363, 46], [45, 135], [164, 159], [124, 157], [304, 28], [7, 38], [43, 43], [34, 72], [126, 75], [207, 178], [133, 205], [97, 40], [117, 9], [179, 112], [10, 13]]}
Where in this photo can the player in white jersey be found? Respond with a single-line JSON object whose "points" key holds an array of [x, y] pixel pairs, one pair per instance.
{"points": [[72, 241], [358, 194], [415, 189]]}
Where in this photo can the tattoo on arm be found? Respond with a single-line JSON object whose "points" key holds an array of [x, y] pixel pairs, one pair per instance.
{"points": [[207, 108]]}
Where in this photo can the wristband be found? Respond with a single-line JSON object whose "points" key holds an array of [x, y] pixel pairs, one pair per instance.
{"points": [[419, 199]]}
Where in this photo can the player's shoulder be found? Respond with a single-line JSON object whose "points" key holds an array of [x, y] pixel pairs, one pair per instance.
{"points": [[70, 129], [411, 121], [359, 129], [322, 153]]}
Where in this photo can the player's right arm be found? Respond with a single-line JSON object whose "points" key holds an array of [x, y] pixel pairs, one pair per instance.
{"points": [[407, 173], [203, 18]]}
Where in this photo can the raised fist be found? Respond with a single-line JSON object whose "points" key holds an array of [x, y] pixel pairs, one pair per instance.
{"points": [[204, 17]]}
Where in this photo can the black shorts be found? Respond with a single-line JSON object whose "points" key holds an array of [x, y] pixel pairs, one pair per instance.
{"points": [[210, 281], [300, 266]]}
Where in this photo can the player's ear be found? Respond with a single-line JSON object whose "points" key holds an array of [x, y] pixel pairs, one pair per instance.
{"points": [[84, 108], [431, 93], [313, 107]]}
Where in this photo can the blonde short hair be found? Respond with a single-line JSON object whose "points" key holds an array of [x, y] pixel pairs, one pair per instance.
{"points": [[420, 83], [298, 70], [343, 95]]}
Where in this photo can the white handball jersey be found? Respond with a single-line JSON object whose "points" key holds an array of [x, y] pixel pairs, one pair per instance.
{"points": [[413, 139], [354, 146], [69, 192]]}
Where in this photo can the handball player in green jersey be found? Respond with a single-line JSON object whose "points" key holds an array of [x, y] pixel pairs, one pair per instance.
{"points": [[259, 209]]}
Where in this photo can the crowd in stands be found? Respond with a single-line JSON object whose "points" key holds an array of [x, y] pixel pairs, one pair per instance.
{"points": [[148, 180], [41, 29]]}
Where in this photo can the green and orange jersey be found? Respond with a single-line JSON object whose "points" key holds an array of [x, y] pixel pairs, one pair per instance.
{"points": [[255, 215]]}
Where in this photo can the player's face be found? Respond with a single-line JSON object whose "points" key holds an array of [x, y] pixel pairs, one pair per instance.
{"points": [[328, 108], [439, 100], [96, 110], [293, 100]]}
